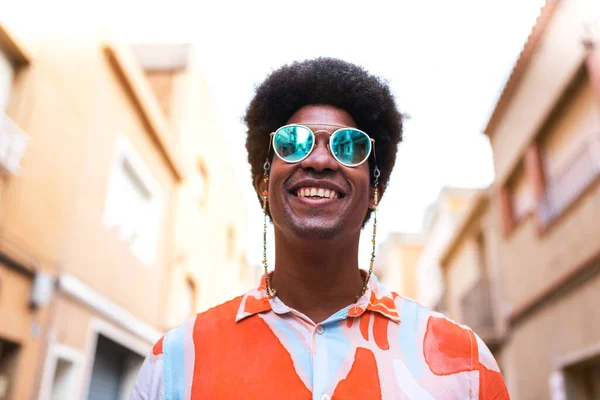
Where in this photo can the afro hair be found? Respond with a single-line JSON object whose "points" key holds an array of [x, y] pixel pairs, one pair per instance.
{"points": [[325, 81]]}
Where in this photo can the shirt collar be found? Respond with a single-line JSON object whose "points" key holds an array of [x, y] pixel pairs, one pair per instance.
{"points": [[376, 299]]}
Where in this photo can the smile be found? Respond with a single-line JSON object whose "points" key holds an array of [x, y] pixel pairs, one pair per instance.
{"points": [[316, 192]]}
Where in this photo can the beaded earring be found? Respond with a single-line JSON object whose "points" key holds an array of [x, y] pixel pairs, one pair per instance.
{"points": [[376, 174], [265, 196]]}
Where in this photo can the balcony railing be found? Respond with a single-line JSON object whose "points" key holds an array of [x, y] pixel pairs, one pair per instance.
{"points": [[568, 185], [13, 142], [477, 311]]}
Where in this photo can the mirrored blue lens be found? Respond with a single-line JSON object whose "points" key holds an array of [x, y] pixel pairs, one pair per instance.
{"points": [[350, 146], [292, 143]]}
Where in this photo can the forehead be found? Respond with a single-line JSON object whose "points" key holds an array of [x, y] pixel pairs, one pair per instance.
{"points": [[325, 114]]}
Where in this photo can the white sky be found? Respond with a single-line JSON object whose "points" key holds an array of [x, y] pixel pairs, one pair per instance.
{"points": [[446, 62]]}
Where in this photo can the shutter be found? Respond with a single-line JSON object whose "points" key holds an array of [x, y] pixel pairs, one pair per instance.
{"points": [[107, 370]]}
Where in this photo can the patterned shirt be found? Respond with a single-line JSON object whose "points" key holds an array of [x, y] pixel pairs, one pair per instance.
{"points": [[382, 347]]}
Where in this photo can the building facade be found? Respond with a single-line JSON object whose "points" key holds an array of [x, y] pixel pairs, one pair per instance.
{"points": [[529, 248], [395, 265], [472, 294], [440, 221], [118, 215]]}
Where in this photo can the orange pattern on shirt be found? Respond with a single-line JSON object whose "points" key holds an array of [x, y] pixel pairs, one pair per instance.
{"points": [[241, 360], [449, 348], [362, 381]]}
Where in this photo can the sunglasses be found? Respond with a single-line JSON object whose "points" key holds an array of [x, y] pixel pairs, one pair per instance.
{"points": [[349, 146]]}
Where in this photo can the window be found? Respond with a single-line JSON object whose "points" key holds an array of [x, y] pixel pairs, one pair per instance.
{"points": [[13, 142], [61, 379], [521, 195], [133, 204], [583, 380], [570, 149], [114, 370], [9, 353]]}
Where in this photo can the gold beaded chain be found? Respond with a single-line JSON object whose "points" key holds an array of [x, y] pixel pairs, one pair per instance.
{"points": [[271, 292], [265, 194], [376, 173]]}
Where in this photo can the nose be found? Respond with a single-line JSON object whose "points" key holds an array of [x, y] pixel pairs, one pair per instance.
{"points": [[320, 159]]}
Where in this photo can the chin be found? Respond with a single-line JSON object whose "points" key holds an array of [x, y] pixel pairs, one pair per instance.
{"points": [[314, 229]]}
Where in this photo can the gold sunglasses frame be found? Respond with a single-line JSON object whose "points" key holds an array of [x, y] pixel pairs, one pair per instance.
{"points": [[341, 127]]}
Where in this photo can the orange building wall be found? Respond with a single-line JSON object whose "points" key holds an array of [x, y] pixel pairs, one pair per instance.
{"points": [[68, 165]]}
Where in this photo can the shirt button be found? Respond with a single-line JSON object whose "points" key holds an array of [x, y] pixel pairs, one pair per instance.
{"points": [[325, 397], [320, 331]]}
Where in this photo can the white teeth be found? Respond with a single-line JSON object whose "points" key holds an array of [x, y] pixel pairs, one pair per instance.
{"points": [[317, 192]]}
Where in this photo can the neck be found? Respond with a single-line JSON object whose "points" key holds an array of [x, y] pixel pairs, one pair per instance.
{"points": [[317, 277]]}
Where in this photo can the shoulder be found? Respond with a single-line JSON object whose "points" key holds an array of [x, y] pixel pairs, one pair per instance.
{"points": [[168, 367], [448, 347], [206, 322], [451, 348]]}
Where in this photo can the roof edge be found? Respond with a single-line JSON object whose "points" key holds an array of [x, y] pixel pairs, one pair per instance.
{"points": [[521, 65], [480, 201]]}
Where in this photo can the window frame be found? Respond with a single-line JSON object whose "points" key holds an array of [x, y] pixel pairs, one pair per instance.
{"points": [[123, 153], [56, 352]]}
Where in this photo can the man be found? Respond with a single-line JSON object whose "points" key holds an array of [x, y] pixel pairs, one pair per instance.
{"points": [[322, 141]]}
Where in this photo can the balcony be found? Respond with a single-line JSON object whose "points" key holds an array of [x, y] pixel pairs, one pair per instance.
{"points": [[563, 189], [478, 313], [13, 142]]}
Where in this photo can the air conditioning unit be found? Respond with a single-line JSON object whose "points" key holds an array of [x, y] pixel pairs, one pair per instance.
{"points": [[13, 142], [41, 290]]}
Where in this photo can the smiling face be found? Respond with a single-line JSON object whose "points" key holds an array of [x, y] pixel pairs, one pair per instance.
{"points": [[318, 197]]}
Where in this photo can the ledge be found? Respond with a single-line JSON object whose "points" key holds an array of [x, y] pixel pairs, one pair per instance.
{"points": [[556, 289], [17, 258], [521, 65], [146, 103], [107, 308]]}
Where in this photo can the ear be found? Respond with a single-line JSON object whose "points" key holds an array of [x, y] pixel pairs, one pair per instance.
{"points": [[260, 186], [380, 190]]}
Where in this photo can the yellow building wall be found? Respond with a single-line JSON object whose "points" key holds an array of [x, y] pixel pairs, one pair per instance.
{"points": [[559, 56], [462, 273], [211, 229], [529, 254], [409, 255], [18, 324], [579, 120], [532, 260], [395, 265], [74, 106], [536, 348]]}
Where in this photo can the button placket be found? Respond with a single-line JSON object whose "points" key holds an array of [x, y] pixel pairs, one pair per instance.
{"points": [[320, 362]]}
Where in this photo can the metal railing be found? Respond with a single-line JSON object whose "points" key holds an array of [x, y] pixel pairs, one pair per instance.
{"points": [[568, 185], [13, 142]]}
